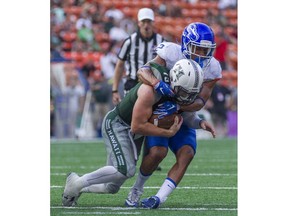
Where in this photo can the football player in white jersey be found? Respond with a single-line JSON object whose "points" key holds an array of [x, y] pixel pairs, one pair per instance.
{"points": [[197, 44]]}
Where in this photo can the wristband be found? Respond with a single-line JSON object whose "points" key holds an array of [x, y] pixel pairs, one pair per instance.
{"points": [[156, 84], [114, 91], [203, 101]]}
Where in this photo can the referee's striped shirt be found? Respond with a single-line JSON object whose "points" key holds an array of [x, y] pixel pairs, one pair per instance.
{"points": [[136, 51]]}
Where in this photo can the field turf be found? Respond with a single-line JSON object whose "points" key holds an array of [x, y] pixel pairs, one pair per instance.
{"points": [[208, 188]]}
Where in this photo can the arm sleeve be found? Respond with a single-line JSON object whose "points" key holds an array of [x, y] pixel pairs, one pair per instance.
{"points": [[191, 119]]}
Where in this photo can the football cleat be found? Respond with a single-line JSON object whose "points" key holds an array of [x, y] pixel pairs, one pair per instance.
{"points": [[133, 197], [70, 195], [152, 202]]}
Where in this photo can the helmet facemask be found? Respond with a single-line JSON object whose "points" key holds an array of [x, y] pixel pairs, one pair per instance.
{"points": [[200, 52], [183, 96]]}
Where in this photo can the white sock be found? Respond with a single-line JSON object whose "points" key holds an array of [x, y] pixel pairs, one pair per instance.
{"points": [[166, 189], [103, 175], [140, 181]]}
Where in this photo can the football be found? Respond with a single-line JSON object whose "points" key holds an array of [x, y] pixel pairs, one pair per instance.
{"points": [[165, 122]]}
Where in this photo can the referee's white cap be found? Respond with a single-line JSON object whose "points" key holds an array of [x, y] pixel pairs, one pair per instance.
{"points": [[145, 13]]}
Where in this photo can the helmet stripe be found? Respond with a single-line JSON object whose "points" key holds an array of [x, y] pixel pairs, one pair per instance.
{"points": [[196, 83]]}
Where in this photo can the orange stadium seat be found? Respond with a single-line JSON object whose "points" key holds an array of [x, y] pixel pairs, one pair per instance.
{"points": [[168, 20], [203, 5], [213, 4], [194, 13], [159, 21], [230, 13], [85, 55], [107, 3], [94, 56], [102, 37], [208, 5], [229, 30], [182, 4], [139, 4], [67, 55], [97, 65], [130, 12], [229, 78], [76, 10], [146, 4], [178, 21], [234, 61], [69, 36], [233, 48], [77, 56], [186, 12], [202, 13], [105, 45], [188, 20], [233, 21], [67, 46], [156, 3]]}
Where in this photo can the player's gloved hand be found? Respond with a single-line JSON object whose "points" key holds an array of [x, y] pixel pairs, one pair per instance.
{"points": [[164, 89], [166, 108]]}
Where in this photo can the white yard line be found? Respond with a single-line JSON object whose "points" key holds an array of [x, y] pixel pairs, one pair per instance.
{"points": [[101, 213], [194, 188], [165, 174], [126, 208]]}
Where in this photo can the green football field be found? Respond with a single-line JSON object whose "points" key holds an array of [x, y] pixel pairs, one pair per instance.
{"points": [[209, 186]]}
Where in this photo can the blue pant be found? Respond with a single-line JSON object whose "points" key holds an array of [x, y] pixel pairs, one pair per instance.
{"points": [[185, 136]]}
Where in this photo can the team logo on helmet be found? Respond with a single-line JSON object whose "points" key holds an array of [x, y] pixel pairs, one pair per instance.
{"points": [[180, 71], [193, 34]]}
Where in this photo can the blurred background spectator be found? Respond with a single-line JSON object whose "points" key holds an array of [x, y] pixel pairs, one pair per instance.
{"points": [[101, 86], [75, 96], [67, 98], [86, 34], [223, 4], [218, 105]]}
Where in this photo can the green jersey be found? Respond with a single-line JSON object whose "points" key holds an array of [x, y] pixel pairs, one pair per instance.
{"points": [[125, 108]]}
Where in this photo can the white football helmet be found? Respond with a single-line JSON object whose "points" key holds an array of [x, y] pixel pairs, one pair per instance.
{"points": [[186, 79]]}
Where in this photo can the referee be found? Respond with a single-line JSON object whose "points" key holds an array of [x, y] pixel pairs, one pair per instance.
{"points": [[136, 50]]}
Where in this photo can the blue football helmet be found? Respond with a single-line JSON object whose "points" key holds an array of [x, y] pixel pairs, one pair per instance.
{"points": [[198, 42]]}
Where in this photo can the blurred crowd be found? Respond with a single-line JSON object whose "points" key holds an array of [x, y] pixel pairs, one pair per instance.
{"points": [[85, 37]]}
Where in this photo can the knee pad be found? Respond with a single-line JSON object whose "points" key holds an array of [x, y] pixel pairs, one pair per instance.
{"points": [[112, 188]]}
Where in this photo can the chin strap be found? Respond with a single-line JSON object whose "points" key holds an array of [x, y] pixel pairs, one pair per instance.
{"points": [[199, 61]]}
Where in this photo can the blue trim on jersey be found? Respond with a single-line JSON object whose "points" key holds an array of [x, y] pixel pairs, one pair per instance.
{"points": [[185, 136]]}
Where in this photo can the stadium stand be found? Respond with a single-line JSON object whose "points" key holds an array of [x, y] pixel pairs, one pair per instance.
{"points": [[171, 26]]}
